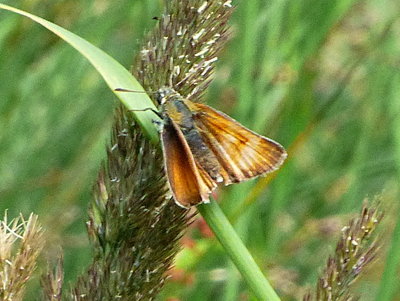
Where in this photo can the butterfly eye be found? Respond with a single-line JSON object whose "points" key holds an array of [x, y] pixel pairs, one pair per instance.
{"points": [[160, 97], [162, 94]]}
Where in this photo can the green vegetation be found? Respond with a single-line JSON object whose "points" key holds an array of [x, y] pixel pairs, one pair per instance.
{"points": [[322, 78]]}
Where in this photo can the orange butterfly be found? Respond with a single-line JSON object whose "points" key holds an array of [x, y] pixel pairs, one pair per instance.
{"points": [[203, 147]]}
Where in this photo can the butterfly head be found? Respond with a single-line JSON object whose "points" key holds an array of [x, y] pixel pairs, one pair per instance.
{"points": [[164, 94]]}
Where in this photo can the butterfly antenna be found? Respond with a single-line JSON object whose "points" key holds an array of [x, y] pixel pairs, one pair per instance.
{"points": [[132, 91]]}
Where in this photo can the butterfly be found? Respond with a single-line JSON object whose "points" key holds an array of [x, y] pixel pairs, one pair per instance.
{"points": [[203, 147]]}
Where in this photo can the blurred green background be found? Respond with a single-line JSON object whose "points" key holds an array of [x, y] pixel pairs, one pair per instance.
{"points": [[320, 77]]}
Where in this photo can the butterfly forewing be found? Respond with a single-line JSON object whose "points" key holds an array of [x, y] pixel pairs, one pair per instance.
{"points": [[188, 185], [241, 153]]}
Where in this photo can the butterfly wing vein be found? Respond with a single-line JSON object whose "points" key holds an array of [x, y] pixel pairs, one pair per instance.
{"points": [[241, 153]]}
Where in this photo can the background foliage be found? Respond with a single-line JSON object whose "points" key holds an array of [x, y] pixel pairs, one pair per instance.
{"points": [[320, 77]]}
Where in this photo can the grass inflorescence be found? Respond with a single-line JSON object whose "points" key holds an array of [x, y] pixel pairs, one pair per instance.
{"points": [[355, 250], [134, 224], [21, 242], [182, 50]]}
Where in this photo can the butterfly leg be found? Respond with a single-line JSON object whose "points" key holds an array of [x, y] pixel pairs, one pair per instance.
{"points": [[147, 109]]}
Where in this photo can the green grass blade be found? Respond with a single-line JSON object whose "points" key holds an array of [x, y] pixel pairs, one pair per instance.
{"points": [[389, 283], [114, 74], [245, 90]]}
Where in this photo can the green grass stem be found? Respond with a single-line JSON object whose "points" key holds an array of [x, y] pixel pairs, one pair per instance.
{"points": [[240, 256]]}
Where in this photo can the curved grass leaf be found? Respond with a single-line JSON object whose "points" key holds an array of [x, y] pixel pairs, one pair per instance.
{"points": [[114, 74]]}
